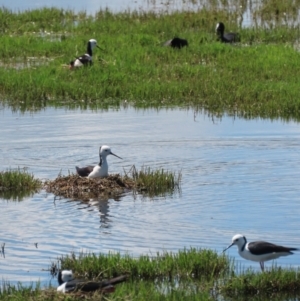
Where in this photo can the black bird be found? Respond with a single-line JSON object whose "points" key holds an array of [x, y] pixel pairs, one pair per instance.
{"points": [[68, 284], [177, 43], [85, 59], [229, 37]]}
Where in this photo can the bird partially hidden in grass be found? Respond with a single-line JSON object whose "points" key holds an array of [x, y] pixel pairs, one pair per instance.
{"points": [[259, 251], [101, 169], [67, 283], [229, 37], [85, 59], [176, 43]]}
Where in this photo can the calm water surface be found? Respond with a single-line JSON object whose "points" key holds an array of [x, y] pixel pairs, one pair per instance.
{"points": [[244, 9], [238, 177]]}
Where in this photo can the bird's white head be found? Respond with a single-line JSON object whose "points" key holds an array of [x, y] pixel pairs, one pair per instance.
{"points": [[93, 43], [66, 275], [238, 240], [105, 150]]}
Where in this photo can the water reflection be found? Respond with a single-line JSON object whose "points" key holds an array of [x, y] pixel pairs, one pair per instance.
{"points": [[16, 195], [103, 204]]}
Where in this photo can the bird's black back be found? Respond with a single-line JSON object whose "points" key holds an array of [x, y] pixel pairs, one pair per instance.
{"points": [[84, 171], [263, 247]]}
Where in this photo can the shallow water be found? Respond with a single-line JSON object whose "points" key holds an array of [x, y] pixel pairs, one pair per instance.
{"points": [[249, 12], [239, 176]]}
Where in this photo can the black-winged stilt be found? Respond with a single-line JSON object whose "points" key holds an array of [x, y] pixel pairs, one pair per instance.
{"points": [[259, 251], [229, 37], [101, 169], [67, 283], [85, 59]]}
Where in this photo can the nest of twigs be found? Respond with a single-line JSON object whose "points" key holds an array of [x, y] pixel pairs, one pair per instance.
{"points": [[74, 186]]}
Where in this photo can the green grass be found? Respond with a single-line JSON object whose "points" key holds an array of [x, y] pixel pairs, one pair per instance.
{"points": [[18, 183], [130, 291], [272, 281], [259, 77], [154, 182], [185, 264]]}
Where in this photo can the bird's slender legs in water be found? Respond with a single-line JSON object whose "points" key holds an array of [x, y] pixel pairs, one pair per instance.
{"points": [[262, 266]]}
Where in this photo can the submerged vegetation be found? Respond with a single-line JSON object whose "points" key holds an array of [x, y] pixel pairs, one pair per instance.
{"points": [[18, 183], [146, 181], [257, 77]]}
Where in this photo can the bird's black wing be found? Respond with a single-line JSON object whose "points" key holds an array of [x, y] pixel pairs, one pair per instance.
{"points": [[84, 171], [263, 247]]}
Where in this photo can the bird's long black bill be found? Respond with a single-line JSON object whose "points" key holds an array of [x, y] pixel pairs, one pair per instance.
{"points": [[116, 156], [227, 248], [100, 48]]}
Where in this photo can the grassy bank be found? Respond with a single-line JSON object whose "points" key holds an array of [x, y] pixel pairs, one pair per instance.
{"points": [[259, 77]]}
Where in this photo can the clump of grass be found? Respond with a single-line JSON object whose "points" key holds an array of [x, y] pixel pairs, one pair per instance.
{"points": [[272, 281], [185, 264], [154, 182], [17, 181]]}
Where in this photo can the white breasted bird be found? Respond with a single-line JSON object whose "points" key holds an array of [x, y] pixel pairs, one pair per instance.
{"points": [[259, 251], [67, 283], [101, 169], [85, 59]]}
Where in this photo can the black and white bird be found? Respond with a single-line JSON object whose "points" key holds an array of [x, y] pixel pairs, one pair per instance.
{"points": [[259, 251], [229, 37], [176, 43], [101, 169], [67, 283], [85, 59]]}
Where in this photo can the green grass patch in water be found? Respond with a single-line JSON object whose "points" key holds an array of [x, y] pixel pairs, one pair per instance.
{"points": [[18, 183], [275, 280], [187, 263], [154, 182]]}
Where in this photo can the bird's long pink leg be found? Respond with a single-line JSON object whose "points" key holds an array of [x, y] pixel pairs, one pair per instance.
{"points": [[262, 265]]}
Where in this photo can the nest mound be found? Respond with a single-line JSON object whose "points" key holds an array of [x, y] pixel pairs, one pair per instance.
{"points": [[74, 186]]}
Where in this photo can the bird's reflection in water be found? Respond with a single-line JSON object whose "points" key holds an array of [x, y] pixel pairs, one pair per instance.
{"points": [[103, 205]]}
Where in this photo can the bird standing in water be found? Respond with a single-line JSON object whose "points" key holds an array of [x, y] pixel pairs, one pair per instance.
{"points": [[259, 251]]}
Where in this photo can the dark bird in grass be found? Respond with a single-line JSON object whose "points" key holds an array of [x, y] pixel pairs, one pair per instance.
{"points": [[85, 59], [229, 37], [67, 283], [176, 43]]}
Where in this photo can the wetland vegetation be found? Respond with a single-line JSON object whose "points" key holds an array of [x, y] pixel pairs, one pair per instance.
{"points": [[257, 77], [145, 181], [17, 184]]}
